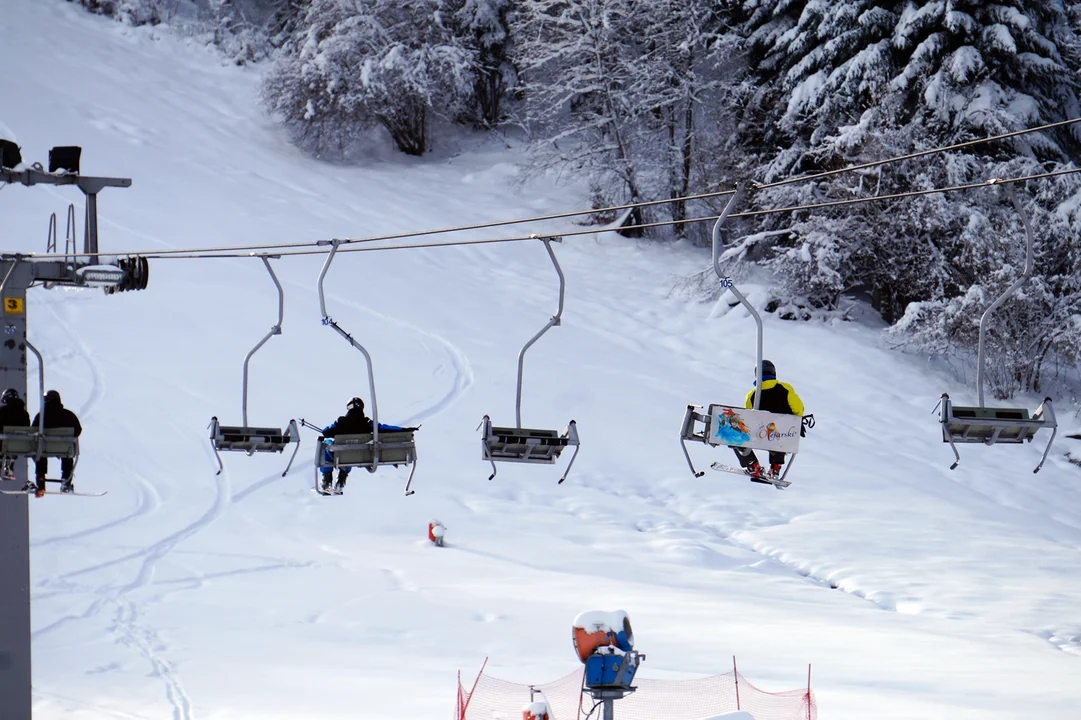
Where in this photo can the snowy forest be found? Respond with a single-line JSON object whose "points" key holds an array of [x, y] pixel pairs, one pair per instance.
{"points": [[654, 99]]}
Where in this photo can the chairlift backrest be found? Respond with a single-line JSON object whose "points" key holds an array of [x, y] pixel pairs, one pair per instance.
{"points": [[26, 441], [757, 429], [396, 447]]}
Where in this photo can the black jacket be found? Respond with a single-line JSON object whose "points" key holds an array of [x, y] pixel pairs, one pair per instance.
{"points": [[58, 416], [14, 414], [355, 422]]}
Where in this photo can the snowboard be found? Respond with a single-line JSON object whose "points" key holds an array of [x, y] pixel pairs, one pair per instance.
{"points": [[764, 479]]}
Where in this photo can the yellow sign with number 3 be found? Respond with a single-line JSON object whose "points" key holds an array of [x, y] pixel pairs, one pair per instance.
{"points": [[13, 306]]}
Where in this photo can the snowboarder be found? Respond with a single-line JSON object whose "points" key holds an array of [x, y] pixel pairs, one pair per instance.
{"points": [[12, 413], [56, 416], [777, 397], [354, 422]]}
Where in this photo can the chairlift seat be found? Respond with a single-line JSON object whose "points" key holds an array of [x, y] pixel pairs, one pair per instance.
{"points": [[527, 445], [992, 426], [395, 447], [20, 441], [252, 439], [732, 426]]}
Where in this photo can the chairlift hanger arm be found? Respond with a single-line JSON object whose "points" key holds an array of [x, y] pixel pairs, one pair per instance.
{"points": [[41, 385], [349, 338], [1025, 275], [554, 321], [729, 206], [275, 330]]}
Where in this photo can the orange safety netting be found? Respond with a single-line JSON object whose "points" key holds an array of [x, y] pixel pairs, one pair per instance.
{"points": [[494, 699]]}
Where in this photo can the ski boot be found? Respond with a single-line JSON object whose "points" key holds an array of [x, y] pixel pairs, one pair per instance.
{"points": [[327, 482], [754, 470], [775, 470], [39, 488], [340, 486], [67, 486]]}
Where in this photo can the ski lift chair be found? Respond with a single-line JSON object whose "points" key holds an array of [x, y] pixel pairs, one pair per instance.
{"points": [[37, 441], [738, 427], [988, 425], [394, 447], [526, 445], [530, 445], [367, 450], [731, 426], [248, 438]]}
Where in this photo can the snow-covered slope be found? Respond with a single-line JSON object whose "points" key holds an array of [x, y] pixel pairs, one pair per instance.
{"points": [[188, 595]]}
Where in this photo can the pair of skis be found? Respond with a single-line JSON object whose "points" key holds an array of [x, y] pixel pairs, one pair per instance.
{"points": [[765, 479]]}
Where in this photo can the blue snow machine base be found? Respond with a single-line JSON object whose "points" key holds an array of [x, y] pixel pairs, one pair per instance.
{"points": [[611, 670]]}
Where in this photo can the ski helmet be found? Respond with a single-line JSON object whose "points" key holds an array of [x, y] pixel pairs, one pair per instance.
{"points": [[356, 403], [769, 372], [9, 395], [52, 397]]}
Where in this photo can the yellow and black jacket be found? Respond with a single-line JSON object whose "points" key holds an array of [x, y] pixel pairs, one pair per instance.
{"points": [[777, 397]]}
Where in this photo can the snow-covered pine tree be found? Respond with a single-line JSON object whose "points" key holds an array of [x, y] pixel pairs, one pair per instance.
{"points": [[484, 27], [850, 80], [352, 65]]}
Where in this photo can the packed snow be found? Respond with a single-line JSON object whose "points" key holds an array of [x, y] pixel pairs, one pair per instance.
{"points": [[913, 590]]}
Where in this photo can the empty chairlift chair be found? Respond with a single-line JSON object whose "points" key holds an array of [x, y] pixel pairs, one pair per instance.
{"points": [[248, 438], [366, 450], [529, 445], [988, 425]]}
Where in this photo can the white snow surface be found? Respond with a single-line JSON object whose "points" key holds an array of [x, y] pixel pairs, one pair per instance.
{"points": [[914, 591], [738, 715]]}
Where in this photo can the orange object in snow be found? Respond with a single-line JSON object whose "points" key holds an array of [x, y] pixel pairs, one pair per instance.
{"points": [[436, 531]]}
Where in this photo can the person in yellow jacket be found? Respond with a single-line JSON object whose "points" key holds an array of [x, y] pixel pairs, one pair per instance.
{"points": [[777, 397]]}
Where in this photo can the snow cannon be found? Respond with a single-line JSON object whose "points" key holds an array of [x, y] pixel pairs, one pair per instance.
{"points": [[435, 532], [537, 710], [595, 629], [605, 645]]}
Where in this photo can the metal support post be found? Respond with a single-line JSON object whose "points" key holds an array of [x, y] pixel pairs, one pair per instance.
{"points": [[15, 665]]}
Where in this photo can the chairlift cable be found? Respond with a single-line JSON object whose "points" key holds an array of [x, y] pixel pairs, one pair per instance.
{"points": [[216, 251], [710, 218], [910, 156]]}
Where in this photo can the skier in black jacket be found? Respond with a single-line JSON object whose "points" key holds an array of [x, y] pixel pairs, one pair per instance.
{"points": [[56, 416], [12, 413], [354, 422]]}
